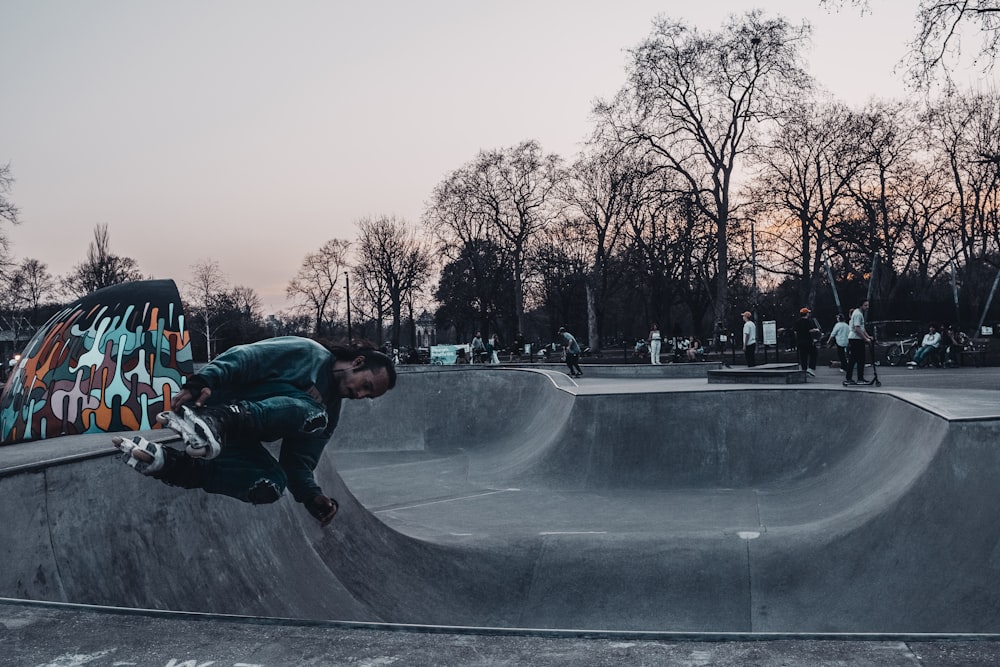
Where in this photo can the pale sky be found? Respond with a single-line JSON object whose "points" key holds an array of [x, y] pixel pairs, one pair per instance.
{"points": [[250, 132]]}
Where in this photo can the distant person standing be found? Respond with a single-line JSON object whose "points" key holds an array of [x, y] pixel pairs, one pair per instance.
{"points": [[572, 353], [492, 346], [805, 341], [749, 339], [838, 337], [655, 340], [478, 348], [518, 346], [856, 341]]}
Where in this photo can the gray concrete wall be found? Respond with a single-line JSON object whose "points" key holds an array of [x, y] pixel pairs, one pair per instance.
{"points": [[867, 513]]}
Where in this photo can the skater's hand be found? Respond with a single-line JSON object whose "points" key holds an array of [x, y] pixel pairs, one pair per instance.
{"points": [[195, 390], [185, 396], [323, 509]]}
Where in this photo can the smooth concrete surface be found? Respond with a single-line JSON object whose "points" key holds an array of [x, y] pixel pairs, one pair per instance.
{"points": [[763, 374], [666, 370], [523, 499]]}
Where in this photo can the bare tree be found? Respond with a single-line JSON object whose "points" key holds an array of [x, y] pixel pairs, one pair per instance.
{"points": [[391, 253], [505, 196], [315, 284], [964, 130], [239, 311], [203, 289], [673, 246], [601, 189], [102, 268], [246, 300], [8, 211], [803, 185], [517, 187], [34, 282], [889, 136], [467, 244], [937, 43], [694, 102], [963, 133]]}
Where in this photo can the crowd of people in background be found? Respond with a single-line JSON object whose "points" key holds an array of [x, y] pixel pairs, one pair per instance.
{"points": [[850, 338], [853, 341]]}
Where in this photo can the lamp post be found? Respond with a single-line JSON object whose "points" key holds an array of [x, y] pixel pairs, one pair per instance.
{"points": [[756, 295], [347, 287], [753, 263]]}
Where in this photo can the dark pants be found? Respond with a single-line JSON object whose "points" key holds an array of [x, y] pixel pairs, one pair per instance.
{"points": [[856, 349], [807, 356], [842, 356], [246, 472], [751, 354], [245, 469], [573, 362]]}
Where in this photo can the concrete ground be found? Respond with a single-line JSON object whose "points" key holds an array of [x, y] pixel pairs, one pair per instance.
{"points": [[466, 502]]}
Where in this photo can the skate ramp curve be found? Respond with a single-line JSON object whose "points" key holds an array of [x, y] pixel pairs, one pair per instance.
{"points": [[512, 499]]}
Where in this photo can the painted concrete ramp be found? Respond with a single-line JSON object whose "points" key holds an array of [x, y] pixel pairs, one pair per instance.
{"points": [[516, 499]]}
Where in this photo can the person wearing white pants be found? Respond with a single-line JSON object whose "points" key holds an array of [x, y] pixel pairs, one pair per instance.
{"points": [[654, 345]]}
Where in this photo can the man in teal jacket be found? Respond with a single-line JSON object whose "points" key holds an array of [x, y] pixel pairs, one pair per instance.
{"points": [[287, 389]]}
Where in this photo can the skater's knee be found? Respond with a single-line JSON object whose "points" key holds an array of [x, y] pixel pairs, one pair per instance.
{"points": [[265, 491], [315, 423]]}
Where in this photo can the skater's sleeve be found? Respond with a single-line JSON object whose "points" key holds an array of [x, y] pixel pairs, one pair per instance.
{"points": [[276, 358], [298, 458]]}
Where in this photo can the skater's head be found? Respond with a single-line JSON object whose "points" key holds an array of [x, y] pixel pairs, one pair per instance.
{"points": [[361, 371]]}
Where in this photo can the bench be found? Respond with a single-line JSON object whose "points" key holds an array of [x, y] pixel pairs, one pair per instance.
{"points": [[974, 352]]}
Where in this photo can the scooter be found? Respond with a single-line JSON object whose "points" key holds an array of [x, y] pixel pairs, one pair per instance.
{"points": [[874, 381]]}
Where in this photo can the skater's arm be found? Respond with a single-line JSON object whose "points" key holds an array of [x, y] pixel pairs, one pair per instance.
{"points": [[298, 458], [287, 358]]}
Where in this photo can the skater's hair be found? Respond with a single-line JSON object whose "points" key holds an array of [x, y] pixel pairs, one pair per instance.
{"points": [[374, 359]]}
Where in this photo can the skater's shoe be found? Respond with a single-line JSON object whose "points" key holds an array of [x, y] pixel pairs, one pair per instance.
{"points": [[175, 422], [203, 430], [145, 456], [211, 426]]}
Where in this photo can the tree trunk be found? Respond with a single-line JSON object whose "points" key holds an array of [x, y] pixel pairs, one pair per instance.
{"points": [[592, 334]]}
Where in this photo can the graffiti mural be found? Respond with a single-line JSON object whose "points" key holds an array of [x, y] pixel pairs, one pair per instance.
{"points": [[108, 362]]}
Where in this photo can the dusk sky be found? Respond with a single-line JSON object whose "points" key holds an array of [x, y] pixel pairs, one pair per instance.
{"points": [[250, 132]]}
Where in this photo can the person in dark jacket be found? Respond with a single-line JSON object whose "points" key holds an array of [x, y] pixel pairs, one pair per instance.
{"points": [[806, 332], [287, 388], [572, 353]]}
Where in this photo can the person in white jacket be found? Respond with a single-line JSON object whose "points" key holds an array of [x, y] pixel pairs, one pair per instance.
{"points": [[838, 337], [749, 339], [930, 343]]}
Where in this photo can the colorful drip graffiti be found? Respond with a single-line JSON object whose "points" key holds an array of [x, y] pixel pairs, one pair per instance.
{"points": [[108, 362]]}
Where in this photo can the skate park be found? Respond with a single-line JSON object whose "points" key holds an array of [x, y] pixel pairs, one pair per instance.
{"points": [[517, 505]]}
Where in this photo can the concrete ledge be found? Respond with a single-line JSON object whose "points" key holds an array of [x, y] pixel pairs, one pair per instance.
{"points": [[693, 369], [763, 374]]}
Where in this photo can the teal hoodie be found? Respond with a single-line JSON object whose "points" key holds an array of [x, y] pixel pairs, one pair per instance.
{"points": [[287, 366]]}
